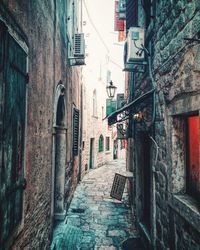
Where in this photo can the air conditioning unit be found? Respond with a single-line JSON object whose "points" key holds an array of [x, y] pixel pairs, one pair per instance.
{"points": [[79, 46], [135, 43]]}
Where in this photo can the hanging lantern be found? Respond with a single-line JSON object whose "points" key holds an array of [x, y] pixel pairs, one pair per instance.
{"points": [[111, 89]]}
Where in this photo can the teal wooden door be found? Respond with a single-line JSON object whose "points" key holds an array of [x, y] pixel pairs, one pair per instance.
{"points": [[13, 107], [91, 153]]}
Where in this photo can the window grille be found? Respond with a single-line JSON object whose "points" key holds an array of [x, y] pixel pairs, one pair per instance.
{"points": [[101, 143], [107, 143]]}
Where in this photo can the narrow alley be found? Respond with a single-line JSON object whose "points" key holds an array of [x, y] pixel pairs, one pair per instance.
{"points": [[94, 219], [97, 96]]}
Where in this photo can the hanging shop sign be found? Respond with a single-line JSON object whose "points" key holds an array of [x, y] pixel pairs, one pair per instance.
{"points": [[119, 24], [121, 131]]}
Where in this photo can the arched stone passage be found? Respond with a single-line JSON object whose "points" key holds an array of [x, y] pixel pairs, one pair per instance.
{"points": [[59, 152]]}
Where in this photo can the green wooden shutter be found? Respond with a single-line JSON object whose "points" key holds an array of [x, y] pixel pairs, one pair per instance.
{"points": [[75, 131], [110, 106], [101, 144], [13, 119], [113, 106]]}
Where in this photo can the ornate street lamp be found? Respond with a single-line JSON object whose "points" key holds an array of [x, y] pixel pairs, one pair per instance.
{"points": [[111, 89]]}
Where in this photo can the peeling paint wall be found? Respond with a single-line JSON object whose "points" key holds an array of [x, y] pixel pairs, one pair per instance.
{"points": [[44, 25]]}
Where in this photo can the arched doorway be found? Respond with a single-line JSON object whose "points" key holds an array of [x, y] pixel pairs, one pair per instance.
{"points": [[59, 153]]}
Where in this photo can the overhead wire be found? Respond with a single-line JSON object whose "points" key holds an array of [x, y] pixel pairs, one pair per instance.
{"points": [[95, 28], [99, 35]]}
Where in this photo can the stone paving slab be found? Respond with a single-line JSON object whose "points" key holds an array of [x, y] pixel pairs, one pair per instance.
{"points": [[102, 222]]}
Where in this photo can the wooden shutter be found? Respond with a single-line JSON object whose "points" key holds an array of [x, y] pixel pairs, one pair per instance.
{"points": [[75, 131], [12, 142], [111, 106], [131, 13]]}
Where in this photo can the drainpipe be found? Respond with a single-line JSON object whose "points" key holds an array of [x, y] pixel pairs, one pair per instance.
{"points": [[156, 158]]}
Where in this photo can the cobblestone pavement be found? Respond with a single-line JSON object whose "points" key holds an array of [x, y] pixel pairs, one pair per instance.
{"points": [[95, 221]]}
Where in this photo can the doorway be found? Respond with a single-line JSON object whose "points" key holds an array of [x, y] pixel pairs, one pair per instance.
{"points": [[115, 149], [146, 181], [91, 163], [143, 181], [144, 185], [59, 154]]}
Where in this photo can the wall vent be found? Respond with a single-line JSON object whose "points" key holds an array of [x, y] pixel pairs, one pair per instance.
{"points": [[79, 46]]}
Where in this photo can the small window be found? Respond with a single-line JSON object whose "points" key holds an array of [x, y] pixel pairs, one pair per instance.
{"points": [[107, 143], [192, 153], [101, 142], [95, 103]]}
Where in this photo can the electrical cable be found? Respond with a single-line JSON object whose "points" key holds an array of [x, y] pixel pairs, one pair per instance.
{"points": [[93, 25], [99, 35], [171, 58], [157, 149], [116, 64]]}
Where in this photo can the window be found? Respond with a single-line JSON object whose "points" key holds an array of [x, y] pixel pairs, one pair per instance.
{"points": [[131, 13], [13, 65], [147, 5], [185, 155], [94, 103], [192, 151], [107, 143], [70, 19], [101, 142], [75, 131]]}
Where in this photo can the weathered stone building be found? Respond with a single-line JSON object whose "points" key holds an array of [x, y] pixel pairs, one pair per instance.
{"points": [[97, 137], [164, 133], [39, 118]]}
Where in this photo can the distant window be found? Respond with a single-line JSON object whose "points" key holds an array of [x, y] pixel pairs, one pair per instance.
{"points": [[101, 143], [102, 108], [107, 143], [95, 103], [122, 144], [192, 150]]}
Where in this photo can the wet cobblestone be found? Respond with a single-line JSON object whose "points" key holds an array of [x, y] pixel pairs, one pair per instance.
{"points": [[104, 222]]}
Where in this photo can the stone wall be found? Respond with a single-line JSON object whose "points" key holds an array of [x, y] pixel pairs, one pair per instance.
{"points": [[45, 28], [177, 77], [175, 68]]}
